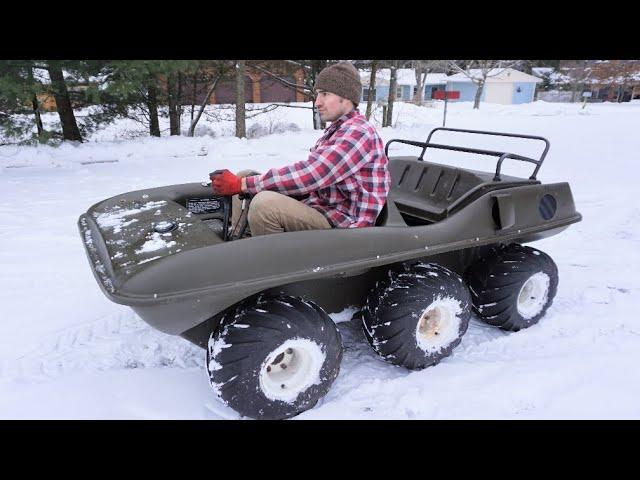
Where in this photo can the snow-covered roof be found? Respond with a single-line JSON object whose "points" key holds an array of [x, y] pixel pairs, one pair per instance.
{"points": [[406, 76], [436, 78], [496, 75]]}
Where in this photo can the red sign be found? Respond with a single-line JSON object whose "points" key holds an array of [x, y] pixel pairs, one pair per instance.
{"points": [[448, 94]]}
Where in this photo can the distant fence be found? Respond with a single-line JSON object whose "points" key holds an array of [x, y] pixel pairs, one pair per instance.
{"points": [[555, 96]]}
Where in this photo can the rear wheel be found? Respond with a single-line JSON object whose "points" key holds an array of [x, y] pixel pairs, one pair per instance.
{"points": [[273, 357], [417, 316], [513, 286]]}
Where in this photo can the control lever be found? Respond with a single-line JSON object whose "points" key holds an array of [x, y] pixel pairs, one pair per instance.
{"points": [[226, 201], [228, 206]]}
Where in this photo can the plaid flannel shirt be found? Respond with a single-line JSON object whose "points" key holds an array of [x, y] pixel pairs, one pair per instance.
{"points": [[345, 177]]}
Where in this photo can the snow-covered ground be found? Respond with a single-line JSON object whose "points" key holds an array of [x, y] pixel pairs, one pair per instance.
{"points": [[68, 352]]}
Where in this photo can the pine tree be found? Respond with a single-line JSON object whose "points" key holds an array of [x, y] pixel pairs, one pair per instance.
{"points": [[77, 83], [135, 85], [20, 118]]}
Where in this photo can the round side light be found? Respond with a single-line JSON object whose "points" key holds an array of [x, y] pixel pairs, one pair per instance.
{"points": [[548, 206]]}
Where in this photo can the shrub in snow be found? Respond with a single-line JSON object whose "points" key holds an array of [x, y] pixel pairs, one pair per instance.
{"points": [[203, 131], [258, 130], [282, 127]]}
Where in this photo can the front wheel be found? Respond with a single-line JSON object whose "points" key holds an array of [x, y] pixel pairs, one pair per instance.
{"points": [[513, 286], [273, 357]]}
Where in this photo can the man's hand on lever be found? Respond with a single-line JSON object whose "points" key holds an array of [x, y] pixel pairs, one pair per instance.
{"points": [[225, 183]]}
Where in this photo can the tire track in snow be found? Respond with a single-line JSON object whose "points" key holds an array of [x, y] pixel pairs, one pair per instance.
{"points": [[117, 341], [362, 366], [123, 341]]}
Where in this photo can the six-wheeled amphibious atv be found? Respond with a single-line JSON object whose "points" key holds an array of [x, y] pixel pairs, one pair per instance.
{"points": [[448, 241]]}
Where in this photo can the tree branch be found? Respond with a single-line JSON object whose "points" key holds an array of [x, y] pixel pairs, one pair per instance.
{"points": [[293, 86], [192, 127]]}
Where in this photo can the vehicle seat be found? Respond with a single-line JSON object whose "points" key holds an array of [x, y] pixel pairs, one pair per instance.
{"points": [[425, 192]]}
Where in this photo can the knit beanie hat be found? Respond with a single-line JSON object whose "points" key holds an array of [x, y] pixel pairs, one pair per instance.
{"points": [[342, 79]]}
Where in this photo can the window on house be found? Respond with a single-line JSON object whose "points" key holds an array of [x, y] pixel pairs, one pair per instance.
{"points": [[399, 92], [365, 94]]}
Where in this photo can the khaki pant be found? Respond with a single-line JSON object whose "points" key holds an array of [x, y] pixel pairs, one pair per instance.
{"points": [[272, 212]]}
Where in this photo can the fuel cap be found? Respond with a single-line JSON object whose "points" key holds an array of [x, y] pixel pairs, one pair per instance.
{"points": [[165, 227]]}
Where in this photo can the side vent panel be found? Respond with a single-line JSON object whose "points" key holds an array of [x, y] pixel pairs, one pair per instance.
{"points": [[503, 211]]}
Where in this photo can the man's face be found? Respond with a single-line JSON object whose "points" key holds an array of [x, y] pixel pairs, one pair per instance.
{"points": [[331, 106]]}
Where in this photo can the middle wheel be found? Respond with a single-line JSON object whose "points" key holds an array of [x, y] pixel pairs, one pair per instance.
{"points": [[417, 316]]}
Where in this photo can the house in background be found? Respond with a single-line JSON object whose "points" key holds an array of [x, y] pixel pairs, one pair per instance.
{"points": [[508, 87], [433, 83], [406, 85], [259, 87]]}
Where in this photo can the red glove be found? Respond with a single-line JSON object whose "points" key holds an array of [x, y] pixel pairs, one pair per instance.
{"points": [[225, 183]]}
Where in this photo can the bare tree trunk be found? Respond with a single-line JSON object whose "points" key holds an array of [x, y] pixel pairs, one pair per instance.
{"points": [[393, 83], [487, 68], [420, 71], [241, 131], [192, 127], [36, 107], [63, 103], [372, 87], [36, 112], [174, 122], [194, 92], [621, 93], [419, 96], [179, 102], [152, 106], [476, 101]]}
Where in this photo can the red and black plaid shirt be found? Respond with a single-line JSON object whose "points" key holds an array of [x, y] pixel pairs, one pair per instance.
{"points": [[345, 176]]}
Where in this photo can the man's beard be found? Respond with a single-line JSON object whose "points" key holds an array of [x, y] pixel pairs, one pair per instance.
{"points": [[330, 119]]}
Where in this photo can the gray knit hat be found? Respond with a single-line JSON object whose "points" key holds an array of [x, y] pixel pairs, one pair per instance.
{"points": [[342, 79]]}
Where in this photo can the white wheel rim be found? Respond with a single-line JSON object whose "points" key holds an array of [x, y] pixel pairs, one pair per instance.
{"points": [[290, 369], [439, 324], [533, 295]]}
